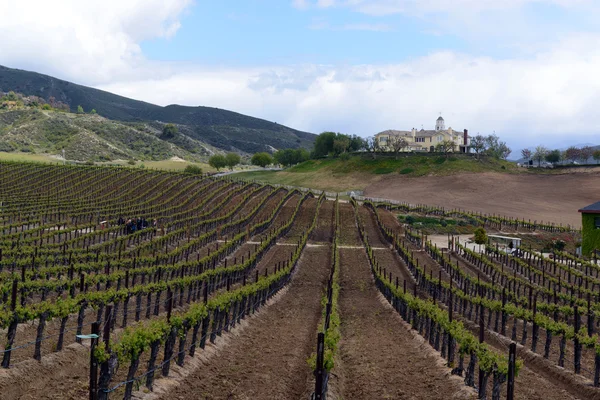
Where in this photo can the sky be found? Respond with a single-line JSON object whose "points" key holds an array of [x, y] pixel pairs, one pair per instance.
{"points": [[526, 70]]}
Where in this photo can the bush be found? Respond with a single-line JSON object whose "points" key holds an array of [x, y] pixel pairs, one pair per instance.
{"points": [[409, 219], [193, 169], [261, 159], [345, 156], [169, 132], [481, 236], [131, 162], [406, 171]]}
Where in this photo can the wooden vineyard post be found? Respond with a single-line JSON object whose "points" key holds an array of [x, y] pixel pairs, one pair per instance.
{"points": [[512, 358], [105, 367], [577, 344], [94, 362], [482, 374], [319, 373]]}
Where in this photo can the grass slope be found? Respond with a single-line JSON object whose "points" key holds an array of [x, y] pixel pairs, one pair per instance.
{"points": [[220, 128], [360, 171], [91, 137]]}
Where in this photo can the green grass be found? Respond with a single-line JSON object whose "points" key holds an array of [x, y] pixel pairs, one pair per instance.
{"points": [[359, 171], [28, 157], [413, 165]]}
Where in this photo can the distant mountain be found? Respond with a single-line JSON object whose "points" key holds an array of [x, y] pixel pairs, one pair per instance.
{"points": [[222, 129]]}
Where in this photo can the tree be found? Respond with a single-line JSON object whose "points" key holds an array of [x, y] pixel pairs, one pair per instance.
{"points": [[193, 169], [497, 148], [573, 154], [478, 144], [169, 131], [445, 146], [526, 154], [481, 236], [585, 153], [371, 145], [261, 159], [287, 157], [356, 143], [93, 111], [539, 154], [323, 144], [80, 110], [596, 155], [232, 159], [217, 161], [553, 156], [340, 145], [397, 144]]}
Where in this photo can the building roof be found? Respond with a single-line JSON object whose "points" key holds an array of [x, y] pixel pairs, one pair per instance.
{"points": [[394, 132], [440, 118], [591, 209]]}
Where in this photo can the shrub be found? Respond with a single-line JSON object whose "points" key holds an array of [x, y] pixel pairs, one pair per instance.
{"points": [[131, 162], [193, 169], [558, 244], [261, 159], [481, 236], [409, 219], [169, 131], [406, 171], [345, 156]]}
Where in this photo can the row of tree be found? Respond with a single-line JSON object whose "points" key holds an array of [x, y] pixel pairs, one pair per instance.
{"points": [[573, 154]]}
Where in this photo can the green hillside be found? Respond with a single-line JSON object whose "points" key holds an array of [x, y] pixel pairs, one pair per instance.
{"points": [[219, 128], [357, 172], [87, 137]]}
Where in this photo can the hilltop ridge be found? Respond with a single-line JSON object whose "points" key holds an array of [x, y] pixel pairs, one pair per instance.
{"points": [[226, 130]]}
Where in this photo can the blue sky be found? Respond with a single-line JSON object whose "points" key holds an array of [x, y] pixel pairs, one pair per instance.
{"points": [[524, 69], [267, 32]]}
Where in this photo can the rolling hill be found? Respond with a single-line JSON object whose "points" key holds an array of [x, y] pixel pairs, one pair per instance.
{"points": [[222, 129], [86, 137]]}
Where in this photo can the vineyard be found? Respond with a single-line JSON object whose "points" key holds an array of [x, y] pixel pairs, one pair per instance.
{"points": [[127, 283]]}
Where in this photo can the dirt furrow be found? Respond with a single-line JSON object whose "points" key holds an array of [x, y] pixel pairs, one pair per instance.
{"points": [[268, 359], [380, 358]]}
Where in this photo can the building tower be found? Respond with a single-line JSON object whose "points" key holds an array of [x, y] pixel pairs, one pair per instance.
{"points": [[439, 124]]}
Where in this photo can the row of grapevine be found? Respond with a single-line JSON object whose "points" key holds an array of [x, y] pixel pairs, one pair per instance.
{"points": [[444, 333]]}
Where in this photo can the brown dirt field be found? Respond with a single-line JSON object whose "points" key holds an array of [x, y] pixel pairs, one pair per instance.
{"points": [[323, 232], [348, 230], [553, 197], [380, 358], [268, 359]]}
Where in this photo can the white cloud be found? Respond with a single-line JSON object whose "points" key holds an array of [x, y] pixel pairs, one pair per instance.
{"points": [[95, 41], [552, 96]]}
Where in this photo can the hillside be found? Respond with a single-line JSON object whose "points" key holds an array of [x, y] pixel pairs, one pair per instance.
{"points": [[489, 186], [223, 129], [87, 137], [360, 171]]}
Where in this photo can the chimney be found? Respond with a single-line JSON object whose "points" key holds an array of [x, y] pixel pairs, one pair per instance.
{"points": [[466, 137]]}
